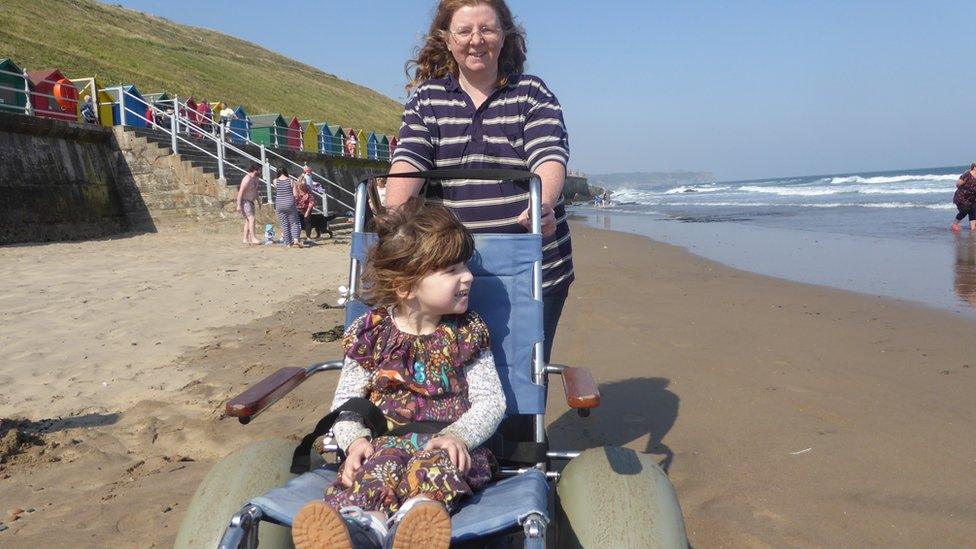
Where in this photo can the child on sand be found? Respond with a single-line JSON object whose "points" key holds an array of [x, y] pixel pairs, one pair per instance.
{"points": [[425, 362]]}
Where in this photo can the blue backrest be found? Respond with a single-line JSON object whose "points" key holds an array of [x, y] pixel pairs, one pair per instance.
{"points": [[502, 295]]}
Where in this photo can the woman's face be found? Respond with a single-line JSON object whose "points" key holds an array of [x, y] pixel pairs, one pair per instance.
{"points": [[476, 56]]}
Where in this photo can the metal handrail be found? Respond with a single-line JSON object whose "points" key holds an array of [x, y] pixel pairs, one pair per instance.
{"points": [[292, 162]]}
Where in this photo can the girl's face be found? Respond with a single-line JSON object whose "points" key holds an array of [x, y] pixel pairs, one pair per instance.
{"points": [[444, 292], [478, 52]]}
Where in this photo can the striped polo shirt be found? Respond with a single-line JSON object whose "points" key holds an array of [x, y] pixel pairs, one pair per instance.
{"points": [[519, 126]]}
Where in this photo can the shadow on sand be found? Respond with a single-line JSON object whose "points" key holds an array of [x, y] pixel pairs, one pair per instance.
{"points": [[629, 409]]}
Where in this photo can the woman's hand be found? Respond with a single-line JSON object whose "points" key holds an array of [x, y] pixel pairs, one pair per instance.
{"points": [[358, 452], [548, 219], [456, 450]]}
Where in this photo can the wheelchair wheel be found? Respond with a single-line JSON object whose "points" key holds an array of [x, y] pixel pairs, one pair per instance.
{"points": [[616, 497], [246, 473]]}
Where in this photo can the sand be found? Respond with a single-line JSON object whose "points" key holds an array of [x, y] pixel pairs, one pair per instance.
{"points": [[787, 414]]}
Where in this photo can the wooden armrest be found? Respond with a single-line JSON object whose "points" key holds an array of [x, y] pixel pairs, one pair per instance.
{"points": [[580, 387], [265, 392]]}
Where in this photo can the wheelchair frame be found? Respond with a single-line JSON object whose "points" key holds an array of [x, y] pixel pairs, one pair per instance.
{"points": [[581, 391]]}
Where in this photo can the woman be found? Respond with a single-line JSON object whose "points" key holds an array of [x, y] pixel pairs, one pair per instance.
{"points": [[469, 68], [286, 199], [965, 198], [305, 202]]}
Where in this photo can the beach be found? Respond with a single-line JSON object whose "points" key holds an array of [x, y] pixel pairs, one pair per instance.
{"points": [[787, 414]]}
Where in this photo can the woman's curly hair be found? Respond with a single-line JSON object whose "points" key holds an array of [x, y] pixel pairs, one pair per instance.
{"points": [[434, 60], [414, 241]]}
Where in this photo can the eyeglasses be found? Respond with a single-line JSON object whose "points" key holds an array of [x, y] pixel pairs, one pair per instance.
{"points": [[488, 34]]}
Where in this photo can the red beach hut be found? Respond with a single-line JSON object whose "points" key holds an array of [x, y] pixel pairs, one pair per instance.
{"points": [[294, 134], [393, 145], [54, 96]]}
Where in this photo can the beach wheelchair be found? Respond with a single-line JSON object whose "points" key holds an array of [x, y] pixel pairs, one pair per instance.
{"points": [[603, 497]]}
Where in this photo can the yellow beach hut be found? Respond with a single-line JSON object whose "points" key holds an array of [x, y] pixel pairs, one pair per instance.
{"points": [[310, 136], [103, 101], [361, 143]]}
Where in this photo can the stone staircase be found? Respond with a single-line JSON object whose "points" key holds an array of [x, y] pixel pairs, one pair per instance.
{"points": [[194, 158]]}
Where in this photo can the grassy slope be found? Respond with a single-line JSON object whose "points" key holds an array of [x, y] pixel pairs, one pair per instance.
{"points": [[85, 38]]}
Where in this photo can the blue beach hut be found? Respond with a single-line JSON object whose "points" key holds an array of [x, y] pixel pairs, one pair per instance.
{"points": [[371, 142], [135, 106], [240, 126], [324, 137]]}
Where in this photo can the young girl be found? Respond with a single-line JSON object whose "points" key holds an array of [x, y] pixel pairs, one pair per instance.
{"points": [[423, 360]]}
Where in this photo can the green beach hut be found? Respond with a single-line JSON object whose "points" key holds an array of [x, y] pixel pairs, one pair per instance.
{"points": [[14, 99], [271, 130], [161, 99], [384, 148], [337, 141]]}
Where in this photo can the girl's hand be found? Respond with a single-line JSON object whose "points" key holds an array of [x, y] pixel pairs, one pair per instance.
{"points": [[358, 452], [456, 450]]}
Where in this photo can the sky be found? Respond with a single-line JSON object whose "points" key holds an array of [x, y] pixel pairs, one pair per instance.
{"points": [[744, 89]]}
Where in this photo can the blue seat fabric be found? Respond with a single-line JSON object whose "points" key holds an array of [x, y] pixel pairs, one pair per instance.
{"points": [[492, 510], [502, 295]]}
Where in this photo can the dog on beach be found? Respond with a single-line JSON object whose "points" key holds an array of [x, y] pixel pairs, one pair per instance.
{"points": [[319, 223]]}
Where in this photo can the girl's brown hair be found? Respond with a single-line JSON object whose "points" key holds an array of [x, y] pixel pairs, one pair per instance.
{"points": [[414, 241], [434, 60]]}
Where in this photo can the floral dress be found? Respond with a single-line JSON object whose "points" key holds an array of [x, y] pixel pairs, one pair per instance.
{"points": [[414, 378]]}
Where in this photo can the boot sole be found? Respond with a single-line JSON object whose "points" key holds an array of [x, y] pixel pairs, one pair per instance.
{"points": [[426, 526], [319, 526]]}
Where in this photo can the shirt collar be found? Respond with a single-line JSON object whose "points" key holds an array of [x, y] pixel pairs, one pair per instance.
{"points": [[452, 84]]}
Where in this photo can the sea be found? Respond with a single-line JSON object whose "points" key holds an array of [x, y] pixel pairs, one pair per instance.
{"points": [[878, 233]]}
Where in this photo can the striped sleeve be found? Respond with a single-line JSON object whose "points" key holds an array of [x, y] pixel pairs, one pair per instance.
{"points": [[414, 144], [546, 138]]}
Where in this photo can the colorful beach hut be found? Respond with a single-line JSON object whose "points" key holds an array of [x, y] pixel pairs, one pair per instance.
{"points": [[372, 144], [134, 104], [54, 95], [361, 146], [269, 130], [384, 148], [13, 88], [338, 140], [161, 99], [103, 101], [325, 138], [294, 134], [310, 136], [240, 127], [393, 145]]}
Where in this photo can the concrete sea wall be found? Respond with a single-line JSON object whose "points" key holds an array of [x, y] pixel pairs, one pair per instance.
{"points": [[67, 181]]}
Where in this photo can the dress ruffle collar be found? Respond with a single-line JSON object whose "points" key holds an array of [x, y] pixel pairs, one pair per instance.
{"points": [[391, 355]]}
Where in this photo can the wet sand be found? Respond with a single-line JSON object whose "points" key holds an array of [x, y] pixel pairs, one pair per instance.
{"points": [[787, 414]]}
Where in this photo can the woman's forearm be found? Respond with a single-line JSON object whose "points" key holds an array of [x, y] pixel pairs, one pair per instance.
{"points": [[553, 175], [401, 189]]}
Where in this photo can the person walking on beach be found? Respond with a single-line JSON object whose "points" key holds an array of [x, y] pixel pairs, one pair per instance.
{"points": [[470, 67], [247, 197], [965, 198], [286, 200]]}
